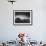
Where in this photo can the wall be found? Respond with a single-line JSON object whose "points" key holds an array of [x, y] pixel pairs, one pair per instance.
{"points": [[38, 30]]}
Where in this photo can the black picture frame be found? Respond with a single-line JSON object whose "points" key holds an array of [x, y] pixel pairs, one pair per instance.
{"points": [[22, 17]]}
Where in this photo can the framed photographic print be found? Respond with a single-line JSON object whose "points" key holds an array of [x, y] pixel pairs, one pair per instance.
{"points": [[22, 17]]}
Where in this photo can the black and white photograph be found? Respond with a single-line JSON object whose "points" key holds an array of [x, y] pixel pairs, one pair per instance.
{"points": [[22, 17]]}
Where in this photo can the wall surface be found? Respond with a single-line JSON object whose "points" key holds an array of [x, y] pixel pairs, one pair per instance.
{"points": [[38, 29]]}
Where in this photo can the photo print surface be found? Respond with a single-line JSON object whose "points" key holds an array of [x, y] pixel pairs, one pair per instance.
{"points": [[22, 17]]}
